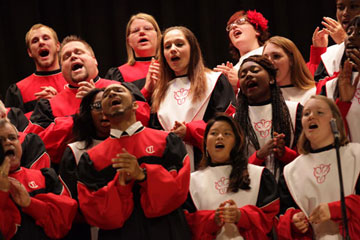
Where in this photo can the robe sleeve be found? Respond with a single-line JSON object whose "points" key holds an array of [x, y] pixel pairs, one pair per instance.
{"points": [[34, 154], [288, 208], [315, 58], [166, 186], [58, 210], [18, 119], [257, 221], [14, 98], [104, 203], [10, 216]]}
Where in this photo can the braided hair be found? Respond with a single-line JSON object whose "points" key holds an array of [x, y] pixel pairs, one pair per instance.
{"points": [[281, 120]]}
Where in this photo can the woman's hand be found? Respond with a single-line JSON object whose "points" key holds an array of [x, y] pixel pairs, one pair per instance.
{"points": [[300, 222], [153, 75], [320, 214], [179, 129], [334, 29], [320, 38], [230, 72]]}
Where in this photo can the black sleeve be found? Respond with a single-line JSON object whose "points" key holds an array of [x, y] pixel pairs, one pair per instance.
{"points": [[286, 200], [18, 119], [221, 98], [174, 153], [189, 204], [320, 72], [13, 97], [268, 191], [53, 184], [67, 171], [42, 114], [88, 175], [298, 124], [32, 149], [114, 74]]}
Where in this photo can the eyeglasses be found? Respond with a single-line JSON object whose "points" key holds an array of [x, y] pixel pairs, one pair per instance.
{"points": [[237, 22], [96, 106]]}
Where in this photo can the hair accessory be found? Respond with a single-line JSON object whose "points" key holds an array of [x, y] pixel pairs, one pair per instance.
{"points": [[257, 19]]}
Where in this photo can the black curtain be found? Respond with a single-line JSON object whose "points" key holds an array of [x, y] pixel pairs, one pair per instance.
{"points": [[103, 23]]}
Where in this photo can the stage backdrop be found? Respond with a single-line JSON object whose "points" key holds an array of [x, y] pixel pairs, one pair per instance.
{"points": [[102, 24]]}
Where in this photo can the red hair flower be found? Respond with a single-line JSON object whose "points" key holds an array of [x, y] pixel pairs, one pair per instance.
{"points": [[257, 19]]}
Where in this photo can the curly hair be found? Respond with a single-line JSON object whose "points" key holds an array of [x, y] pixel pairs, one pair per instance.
{"points": [[239, 176]]}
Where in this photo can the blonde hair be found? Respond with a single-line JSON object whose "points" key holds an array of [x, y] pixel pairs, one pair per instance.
{"points": [[196, 70], [301, 76], [150, 19], [304, 146], [38, 26]]}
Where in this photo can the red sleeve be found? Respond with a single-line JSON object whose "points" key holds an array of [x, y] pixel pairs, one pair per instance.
{"points": [[54, 213], [352, 212], [146, 94], [286, 230], [108, 207], [56, 136], [10, 216], [255, 222], [344, 109], [164, 191], [143, 113], [253, 159], [289, 155], [33, 128], [315, 58], [202, 224], [195, 133]]}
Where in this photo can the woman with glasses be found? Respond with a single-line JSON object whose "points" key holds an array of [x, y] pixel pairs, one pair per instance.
{"points": [[247, 32], [90, 128], [142, 37]]}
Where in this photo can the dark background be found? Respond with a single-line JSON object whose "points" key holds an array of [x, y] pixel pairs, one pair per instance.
{"points": [[103, 23]]}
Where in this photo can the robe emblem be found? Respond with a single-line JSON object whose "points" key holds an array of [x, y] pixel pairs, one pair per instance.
{"points": [[357, 95], [32, 185], [222, 185], [263, 127], [320, 172], [180, 96], [150, 149]]}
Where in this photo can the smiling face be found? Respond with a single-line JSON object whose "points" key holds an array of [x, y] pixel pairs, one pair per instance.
{"points": [[347, 10], [78, 64], [101, 123], [43, 48], [281, 61], [316, 123], [142, 38], [255, 82], [11, 144], [220, 141], [177, 51], [243, 35], [117, 100]]}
